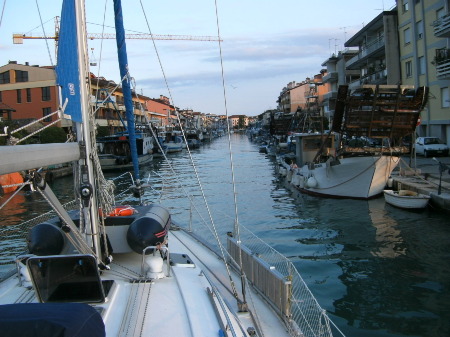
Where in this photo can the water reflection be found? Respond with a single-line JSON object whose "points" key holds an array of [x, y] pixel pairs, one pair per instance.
{"points": [[388, 235], [379, 271]]}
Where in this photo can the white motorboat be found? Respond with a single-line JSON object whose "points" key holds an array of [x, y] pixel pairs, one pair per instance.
{"points": [[96, 268], [406, 199], [115, 154]]}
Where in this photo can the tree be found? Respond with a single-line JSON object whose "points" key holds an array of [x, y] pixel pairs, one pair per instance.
{"points": [[12, 125], [241, 122], [53, 134]]}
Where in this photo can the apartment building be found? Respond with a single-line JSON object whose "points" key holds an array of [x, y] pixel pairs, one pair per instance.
{"points": [[292, 97], [305, 95], [337, 74], [378, 57], [29, 92], [424, 37]]}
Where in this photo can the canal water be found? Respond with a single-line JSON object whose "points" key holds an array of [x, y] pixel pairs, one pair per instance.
{"points": [[377, 270]]}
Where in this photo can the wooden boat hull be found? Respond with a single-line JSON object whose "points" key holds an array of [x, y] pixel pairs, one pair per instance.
{"points": [[406, 200]]}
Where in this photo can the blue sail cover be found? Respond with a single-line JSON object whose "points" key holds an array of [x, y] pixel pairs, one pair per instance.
{"points": [[67, 70], [126, 88]]}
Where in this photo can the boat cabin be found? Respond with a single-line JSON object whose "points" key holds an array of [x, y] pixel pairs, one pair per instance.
{"points": [[307, 145]]}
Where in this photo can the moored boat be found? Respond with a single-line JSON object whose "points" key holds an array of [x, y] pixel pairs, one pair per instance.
{"points": [[90, 263], [115, 153], [342, 171], [406, 199]]}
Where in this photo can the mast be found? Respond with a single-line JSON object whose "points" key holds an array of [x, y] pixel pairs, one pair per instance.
{"points": [[126, 88], [87, 177]]}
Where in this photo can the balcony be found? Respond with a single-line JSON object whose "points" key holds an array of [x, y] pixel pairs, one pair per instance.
{"points": [[442, 26], [442, 62], [371, 48], [330, 77], [376, 77], [330, 95]]}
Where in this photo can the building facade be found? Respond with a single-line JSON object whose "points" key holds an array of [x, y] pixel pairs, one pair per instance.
{"points": [[28, 92], [337, 74], [378, 58], [424, 37]]}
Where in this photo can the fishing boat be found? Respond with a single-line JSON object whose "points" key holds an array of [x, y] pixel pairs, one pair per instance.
{"points": [[329, 164], [171, 140], [93, 267], [114, 151], [406, 199]]}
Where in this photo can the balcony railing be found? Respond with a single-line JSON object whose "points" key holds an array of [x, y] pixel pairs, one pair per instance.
{"points": [[330, 77], [442, 62], [442, 26], [330, 95], [369, 49], [377, 77]]}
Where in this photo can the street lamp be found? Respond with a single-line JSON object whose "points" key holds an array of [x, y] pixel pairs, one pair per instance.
{"points": [[442, 168]]}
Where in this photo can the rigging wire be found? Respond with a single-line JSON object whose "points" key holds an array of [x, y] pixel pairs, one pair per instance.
{"points": [[233, 181], [3, 11], [45, 36], [213, 225]]}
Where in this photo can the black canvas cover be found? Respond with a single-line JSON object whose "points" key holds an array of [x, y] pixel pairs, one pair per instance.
{"points": [[50, 320]]}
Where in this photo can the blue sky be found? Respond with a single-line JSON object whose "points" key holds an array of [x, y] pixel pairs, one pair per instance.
{"points": [[266, 44]]}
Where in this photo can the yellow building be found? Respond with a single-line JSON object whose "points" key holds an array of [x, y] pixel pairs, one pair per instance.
{"points": [[424, 34]]}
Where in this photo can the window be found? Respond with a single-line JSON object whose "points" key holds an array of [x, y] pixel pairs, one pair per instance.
{"points": [[28, 95], [0, 96], [419, 30], [405, 5], [407, 35], [445, 97], [422, 65], [46, 112], [4, 77], [21, 76], [408, 68], [19, 96], [46, 94]]}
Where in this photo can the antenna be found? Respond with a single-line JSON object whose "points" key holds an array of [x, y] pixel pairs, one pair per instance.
{"points": [[345, 32]]}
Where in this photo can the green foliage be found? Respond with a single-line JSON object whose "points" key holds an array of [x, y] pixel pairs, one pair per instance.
{"points": [[241, 122], [12, 125], [53, 134]]}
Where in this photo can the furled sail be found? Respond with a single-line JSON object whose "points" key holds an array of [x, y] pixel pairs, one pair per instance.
{"points": [[67, 71]]}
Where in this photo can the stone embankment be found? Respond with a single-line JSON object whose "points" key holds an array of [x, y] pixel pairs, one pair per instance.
{"points": [[430, 176]]}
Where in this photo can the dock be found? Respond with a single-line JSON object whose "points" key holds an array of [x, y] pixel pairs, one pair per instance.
{"points": [[426, 179]]}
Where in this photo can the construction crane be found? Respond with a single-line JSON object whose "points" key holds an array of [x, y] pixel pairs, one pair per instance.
{"points": [[18, 38]]}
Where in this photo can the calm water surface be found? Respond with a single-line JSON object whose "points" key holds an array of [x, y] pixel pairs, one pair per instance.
{"points": [[377, 270]]}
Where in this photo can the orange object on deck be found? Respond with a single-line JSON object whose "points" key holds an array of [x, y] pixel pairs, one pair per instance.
{"points": [[10, 179], [120, 211]]}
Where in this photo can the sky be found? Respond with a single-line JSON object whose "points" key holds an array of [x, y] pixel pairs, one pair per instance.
{"points": [[265, 45]]}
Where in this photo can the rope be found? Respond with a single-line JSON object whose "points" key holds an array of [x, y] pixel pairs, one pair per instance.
{"points": [[346, 181], [419, 176]]}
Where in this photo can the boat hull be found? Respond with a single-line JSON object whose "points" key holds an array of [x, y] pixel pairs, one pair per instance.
{"points": [[412, 201], [354, 177], [111, 162]]}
